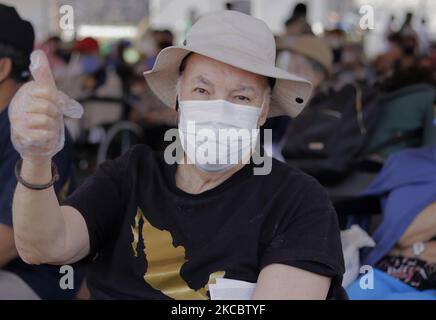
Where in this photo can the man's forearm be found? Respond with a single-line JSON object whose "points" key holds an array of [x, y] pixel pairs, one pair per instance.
{"points": [[428, 255], [423, 228], [39, 226]]}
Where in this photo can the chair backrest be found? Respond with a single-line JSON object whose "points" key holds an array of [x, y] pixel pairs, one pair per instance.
{"points": [[99, 111], [403, 110]]}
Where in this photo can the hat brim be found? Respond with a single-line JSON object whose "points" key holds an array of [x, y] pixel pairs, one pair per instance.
{"points": [[289, 96]]}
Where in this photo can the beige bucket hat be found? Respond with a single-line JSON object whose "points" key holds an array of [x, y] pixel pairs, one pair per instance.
{"points": [[241, 41]]}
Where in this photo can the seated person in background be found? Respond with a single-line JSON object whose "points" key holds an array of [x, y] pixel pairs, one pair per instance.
{"points": [[297, 23], [147, 110], [92, 64], [160, 230], [309, 57], [19, 280], [385, 63], [405, 253], [407, 118], [352, 67]]}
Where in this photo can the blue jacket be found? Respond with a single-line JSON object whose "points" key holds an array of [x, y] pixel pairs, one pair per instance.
{"points": [[407, 185]]}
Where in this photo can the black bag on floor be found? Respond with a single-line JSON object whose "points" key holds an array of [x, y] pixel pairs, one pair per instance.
{"points": [[325, 139]]}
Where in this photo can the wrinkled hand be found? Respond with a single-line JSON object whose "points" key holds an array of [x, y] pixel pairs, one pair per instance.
{"points": [[36, 113]]}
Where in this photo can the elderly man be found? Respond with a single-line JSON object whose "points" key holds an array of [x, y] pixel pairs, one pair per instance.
{"points": [[165, 231]]}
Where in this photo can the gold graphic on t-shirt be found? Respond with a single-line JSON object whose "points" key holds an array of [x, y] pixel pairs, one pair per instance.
{"points": [[135, 232], [165, 262]]}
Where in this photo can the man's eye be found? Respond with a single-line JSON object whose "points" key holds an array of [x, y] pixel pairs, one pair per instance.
{"points": [[200, 90], [242, 98]]}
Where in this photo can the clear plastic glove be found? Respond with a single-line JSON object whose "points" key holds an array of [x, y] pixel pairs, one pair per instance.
{"points": [[37, 110]]}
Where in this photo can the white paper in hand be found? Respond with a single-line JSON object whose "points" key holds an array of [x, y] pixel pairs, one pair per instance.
{"points": [[352, 240], [228, 289]]}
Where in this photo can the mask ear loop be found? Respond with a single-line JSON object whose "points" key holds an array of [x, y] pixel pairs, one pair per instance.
{"points": [[263, 103], [177, 103], [262, 106]]}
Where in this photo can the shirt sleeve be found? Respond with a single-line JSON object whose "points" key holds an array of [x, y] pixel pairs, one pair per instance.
{"points": [[306, 234], [101, 200]]}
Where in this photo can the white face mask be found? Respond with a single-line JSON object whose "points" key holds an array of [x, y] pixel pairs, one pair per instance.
{"points": [[217, 134]]}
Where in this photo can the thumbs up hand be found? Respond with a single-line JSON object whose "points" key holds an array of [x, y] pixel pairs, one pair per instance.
{"points": [[36, 113]]}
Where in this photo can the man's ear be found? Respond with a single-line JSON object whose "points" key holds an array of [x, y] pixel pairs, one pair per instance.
{"points": [[5, 68]]}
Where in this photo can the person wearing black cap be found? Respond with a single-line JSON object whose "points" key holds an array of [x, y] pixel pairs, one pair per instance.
{"points": [[19, 280]]}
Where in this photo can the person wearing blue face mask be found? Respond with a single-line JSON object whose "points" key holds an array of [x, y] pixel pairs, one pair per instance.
{"points": [[160, 230]]}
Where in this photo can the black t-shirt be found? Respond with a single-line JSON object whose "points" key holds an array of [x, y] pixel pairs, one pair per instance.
{"points": [[151, 240]]}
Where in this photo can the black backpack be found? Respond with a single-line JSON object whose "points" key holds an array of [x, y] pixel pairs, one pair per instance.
{"points": [[331, 132]]}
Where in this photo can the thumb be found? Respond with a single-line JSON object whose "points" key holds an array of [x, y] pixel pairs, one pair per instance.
{"points": [[40, 68], [71, 108]]}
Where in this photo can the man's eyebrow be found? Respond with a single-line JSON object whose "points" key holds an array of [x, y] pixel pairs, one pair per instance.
{"points": [[202, 80], [245, 87], [240, 88]]}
